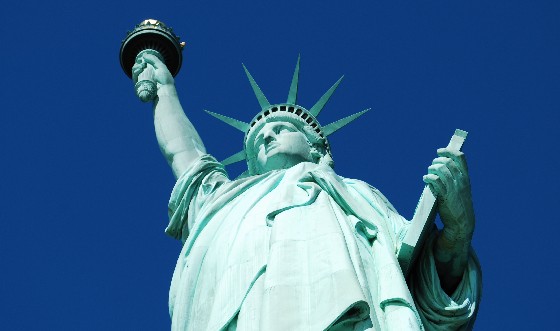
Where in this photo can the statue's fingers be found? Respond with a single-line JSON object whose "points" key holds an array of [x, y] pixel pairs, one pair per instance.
{"points": [[444, 179], [153, 60], [450, 164], [139, 65], [137, 70], [443, 174], [439, 159], [454, 169], [135, 74], [449, 152], [436, 185], [457, 156]]}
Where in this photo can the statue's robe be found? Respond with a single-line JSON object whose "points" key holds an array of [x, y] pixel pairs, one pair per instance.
{"points": [[301, 249]]}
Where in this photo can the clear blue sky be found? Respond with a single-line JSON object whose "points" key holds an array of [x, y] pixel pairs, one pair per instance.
{"points": [[84, 188]]}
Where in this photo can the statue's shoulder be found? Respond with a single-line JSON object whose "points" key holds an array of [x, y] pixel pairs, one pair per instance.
{"points": [[366, 187]]}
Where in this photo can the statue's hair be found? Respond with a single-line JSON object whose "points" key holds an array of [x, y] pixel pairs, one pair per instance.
{"points": [[318, 144]]}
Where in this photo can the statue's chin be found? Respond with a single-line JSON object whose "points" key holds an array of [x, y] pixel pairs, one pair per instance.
{"points": [[281, 161]]}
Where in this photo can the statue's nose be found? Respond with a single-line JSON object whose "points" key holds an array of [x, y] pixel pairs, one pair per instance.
{"points": [[269, 136], [268, 139]]}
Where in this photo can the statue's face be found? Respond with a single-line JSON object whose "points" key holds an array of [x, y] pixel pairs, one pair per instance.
{"points": [[280, 145]]}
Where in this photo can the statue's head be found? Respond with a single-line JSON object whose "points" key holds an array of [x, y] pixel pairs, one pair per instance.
{"points": [[283, 135]]}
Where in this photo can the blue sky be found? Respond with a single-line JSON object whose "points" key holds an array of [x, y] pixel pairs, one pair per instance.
{"points": [[84, 187]]}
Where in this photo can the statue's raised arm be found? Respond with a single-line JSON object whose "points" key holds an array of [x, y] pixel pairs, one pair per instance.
{"points": [[177, 138]]}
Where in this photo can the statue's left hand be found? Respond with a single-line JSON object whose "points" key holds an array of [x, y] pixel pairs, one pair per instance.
{"points": [[161, 74], [449, 180]]}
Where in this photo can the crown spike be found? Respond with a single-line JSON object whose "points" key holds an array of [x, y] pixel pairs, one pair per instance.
{"points": [[260, 95], [237, 157], [241, 126], [292, 95], [316, 109], [335, 126]]}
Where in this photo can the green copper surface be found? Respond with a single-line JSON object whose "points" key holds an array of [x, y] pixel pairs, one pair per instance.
{"points": [[424, 216], [237, 157], [335, 126], [291, 245], [241, 126], [263, 101], [316, 109], [292, 95], [288, 112]]}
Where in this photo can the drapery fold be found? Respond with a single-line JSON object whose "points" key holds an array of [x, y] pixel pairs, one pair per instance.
{"points": [[322, 248]]}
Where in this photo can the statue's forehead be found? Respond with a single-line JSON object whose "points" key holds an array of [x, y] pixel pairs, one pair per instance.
{"points": [[279, 118], [273, 122]]}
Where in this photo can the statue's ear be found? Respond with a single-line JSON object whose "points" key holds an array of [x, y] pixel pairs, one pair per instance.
{"points": [[315, 155]]}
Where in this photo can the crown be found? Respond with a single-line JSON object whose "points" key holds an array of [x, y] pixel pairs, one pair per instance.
{"points": [[288, 111]]}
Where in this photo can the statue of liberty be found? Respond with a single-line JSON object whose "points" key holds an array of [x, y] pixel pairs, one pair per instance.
{"points": [[291, 245]]}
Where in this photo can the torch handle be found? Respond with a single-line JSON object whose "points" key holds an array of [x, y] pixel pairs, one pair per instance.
{"points": [[146, 88]]}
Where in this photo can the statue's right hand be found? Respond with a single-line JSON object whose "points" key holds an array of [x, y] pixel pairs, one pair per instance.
{"points": [[161, 74]]}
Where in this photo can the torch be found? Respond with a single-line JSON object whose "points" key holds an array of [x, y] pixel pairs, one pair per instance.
{"points": [[150, 37]]}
